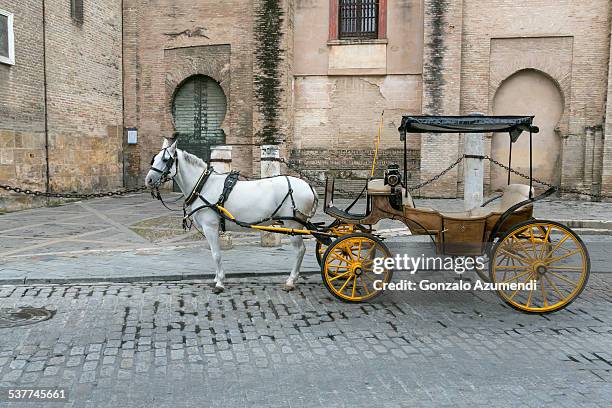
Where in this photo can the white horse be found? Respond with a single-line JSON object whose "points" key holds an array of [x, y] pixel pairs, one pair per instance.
{"points": [[250, 202]]}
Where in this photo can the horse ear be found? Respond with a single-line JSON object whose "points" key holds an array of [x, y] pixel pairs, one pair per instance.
{"points": [[166, 143], [172, 147]]}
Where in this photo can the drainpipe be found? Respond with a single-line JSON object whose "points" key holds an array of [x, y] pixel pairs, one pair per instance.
{"points": [[44, 35]]}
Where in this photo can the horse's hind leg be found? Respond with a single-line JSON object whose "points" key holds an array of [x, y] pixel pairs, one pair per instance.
{"points": [[212, 236], [300, 249]]}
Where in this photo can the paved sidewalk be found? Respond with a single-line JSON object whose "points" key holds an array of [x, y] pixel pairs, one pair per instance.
{"points": [[134, 238]]}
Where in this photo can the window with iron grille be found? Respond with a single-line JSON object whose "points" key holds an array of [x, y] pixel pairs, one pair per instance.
{"points": [[76, 10], [358, 18]]}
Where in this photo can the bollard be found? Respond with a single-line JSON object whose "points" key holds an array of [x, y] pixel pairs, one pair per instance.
{"points": [[221, 161], [221, 158], [270, 166], [473, 169]]}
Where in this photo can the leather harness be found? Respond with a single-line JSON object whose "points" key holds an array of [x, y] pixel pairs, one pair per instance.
{"points": [[230, 182], [228, 186]]}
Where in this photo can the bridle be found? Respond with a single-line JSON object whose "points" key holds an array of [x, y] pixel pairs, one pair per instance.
{"points": [[169, 162]]}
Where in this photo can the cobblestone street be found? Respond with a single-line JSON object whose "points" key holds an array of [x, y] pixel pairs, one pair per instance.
{"points": [[164, 344], [151, 342]]}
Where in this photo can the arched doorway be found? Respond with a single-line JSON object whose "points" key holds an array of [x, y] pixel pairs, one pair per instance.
{"points": [[198, 108], [528, 92]]}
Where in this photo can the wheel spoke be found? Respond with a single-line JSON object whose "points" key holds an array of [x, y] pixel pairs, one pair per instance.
{"points": [[555, 288], [502, 267], [519, 242], [515, 257], [545, 244], [520, 275], [346, 283], [543, 292], [354, 286], [529, 298], [557, 259], [563, 278], [365, 286], [557, 246], [517, 289], [566, 268], [339, 276], [359, 250], [340, 258]]}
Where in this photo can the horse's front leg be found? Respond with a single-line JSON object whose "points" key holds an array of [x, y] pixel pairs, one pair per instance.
{"points": [[210, 228], [300, 249]]}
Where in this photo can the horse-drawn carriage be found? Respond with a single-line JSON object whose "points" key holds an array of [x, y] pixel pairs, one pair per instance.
{"points": [[518, 247]]}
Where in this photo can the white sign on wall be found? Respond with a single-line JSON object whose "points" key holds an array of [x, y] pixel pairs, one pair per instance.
{"points": [[132, 135]]}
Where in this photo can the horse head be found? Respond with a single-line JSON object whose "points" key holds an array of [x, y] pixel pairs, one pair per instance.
{"points": [[163, 165]]}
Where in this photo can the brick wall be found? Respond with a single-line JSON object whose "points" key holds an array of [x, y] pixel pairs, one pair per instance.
{"points": [[441, 89], [84, 100], [580, 70], [157, 57], [85, 103], [22, 121], [606, 162]]}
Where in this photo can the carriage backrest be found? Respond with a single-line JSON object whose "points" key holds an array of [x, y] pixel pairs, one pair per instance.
{"points": [[329, 192], [514, 194]]}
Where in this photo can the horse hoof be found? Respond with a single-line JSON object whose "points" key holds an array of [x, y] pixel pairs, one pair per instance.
{"points": [[218, 289], [288, 288]]}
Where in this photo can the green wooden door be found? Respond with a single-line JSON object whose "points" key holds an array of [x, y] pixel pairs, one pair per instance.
{"points": [[199, 108]]}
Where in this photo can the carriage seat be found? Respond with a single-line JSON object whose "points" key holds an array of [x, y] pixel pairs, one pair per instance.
{"points": [[511, 195], [378, 187]]}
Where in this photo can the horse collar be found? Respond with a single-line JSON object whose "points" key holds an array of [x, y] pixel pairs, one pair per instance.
{"points": [[195, 193]]}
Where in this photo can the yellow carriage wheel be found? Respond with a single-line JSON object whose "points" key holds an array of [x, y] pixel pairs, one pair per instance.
{"points": [[338, 230], [546, 253], [348, 267]]}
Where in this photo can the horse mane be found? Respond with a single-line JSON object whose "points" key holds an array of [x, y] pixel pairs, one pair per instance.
{"points": [[193, 159]]}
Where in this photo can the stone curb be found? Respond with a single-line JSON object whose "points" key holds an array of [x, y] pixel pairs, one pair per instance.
{"points": [[588, 224], [149, 278]]}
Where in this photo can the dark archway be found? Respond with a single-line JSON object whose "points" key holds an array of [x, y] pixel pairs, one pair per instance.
{"points": [[199, 106]]}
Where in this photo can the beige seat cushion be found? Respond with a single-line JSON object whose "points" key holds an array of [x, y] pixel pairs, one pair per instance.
{"points": [[513, 194], [378, 187]]}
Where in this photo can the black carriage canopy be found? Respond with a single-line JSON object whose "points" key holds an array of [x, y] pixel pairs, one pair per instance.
{"points": [[514, 125]]}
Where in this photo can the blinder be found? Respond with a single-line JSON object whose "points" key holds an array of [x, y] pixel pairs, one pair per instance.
{"points": [[169, 162]]}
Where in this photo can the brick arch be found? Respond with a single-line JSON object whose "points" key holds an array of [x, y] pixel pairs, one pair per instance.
{"points": [[184, 63], [555, 73]]}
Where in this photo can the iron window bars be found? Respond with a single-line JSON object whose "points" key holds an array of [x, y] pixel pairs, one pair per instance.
{"points": [[358, 19]]}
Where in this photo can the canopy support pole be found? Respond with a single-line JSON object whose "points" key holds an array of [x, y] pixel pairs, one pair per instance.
{"points": [[405, 169], [530, 163], [510, 160], [473, 169]]}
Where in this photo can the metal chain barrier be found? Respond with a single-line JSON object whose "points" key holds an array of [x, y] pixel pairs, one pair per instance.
{"points": [[310, 178], [307, 177], [436, 177], [72, 195], [544, 183]]}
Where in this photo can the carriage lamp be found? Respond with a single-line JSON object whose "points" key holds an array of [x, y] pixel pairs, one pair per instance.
{"points": [[393, 176]]}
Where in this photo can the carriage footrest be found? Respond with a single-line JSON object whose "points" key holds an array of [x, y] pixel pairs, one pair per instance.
{"points": [[338, 213]]}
